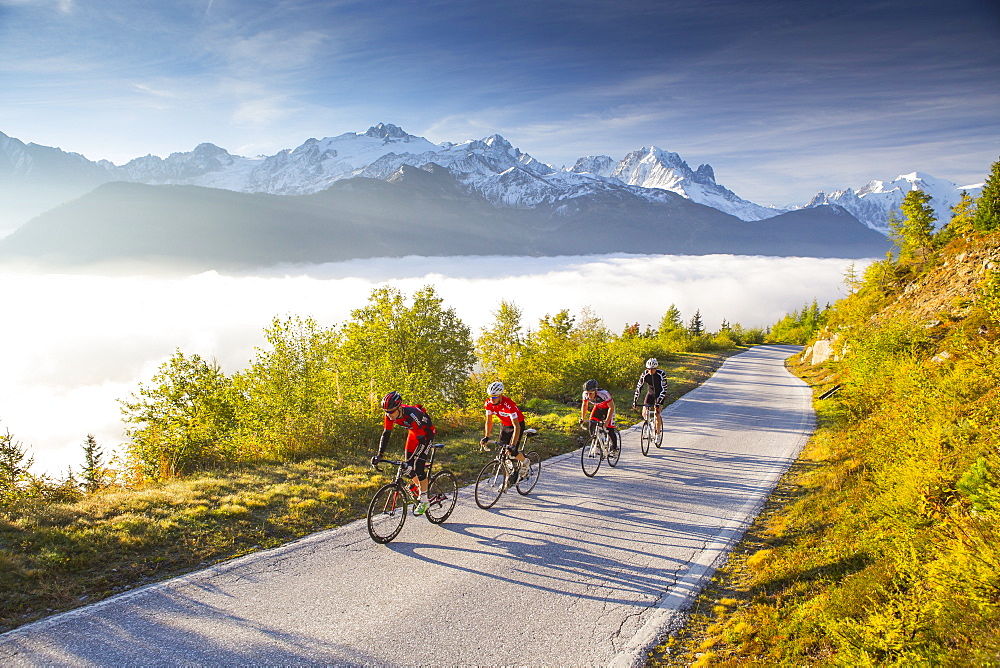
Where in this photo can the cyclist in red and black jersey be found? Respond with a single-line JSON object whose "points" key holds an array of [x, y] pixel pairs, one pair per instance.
{"points": [[418, 440], [598, 405], [511, 424]]}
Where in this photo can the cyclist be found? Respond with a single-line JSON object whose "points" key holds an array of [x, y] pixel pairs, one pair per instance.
{"points": [[598, 405], [655, 382], [418, 440], [511, 425]]}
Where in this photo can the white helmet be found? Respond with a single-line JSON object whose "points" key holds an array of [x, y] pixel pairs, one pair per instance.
{"points": [[651, 363], [495, 389]]}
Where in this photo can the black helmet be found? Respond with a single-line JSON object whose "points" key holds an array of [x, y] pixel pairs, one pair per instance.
{"points": [[392, 401], [590, 386]]}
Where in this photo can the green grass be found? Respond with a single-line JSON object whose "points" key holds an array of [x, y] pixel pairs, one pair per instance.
{"points": [[55, 557]]}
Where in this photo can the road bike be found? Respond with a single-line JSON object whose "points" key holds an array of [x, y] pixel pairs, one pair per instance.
{"points": [[649, 434], [495, 478], [387, 510], [598, 448]]}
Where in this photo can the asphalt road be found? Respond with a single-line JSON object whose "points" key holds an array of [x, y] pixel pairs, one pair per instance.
{"points": [[582, 572]]}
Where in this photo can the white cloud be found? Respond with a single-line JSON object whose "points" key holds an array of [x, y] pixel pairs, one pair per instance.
{"points": [[73, 345]]}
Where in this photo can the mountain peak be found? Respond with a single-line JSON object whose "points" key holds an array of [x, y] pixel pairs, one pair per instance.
{"points": [[386, 131]]}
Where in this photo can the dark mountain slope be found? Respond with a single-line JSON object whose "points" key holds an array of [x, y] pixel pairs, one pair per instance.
{"points": [[422, 211]]}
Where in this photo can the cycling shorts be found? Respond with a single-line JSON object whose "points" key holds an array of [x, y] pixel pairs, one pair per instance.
{"points": [[506, 434]]}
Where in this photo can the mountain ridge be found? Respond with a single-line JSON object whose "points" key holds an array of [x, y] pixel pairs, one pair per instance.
{"points": [[45, 177], [415, 211]]}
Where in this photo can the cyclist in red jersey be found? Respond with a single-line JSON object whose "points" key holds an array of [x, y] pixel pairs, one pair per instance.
{"points": [[511, 424], [418, 440], [596, 405]]}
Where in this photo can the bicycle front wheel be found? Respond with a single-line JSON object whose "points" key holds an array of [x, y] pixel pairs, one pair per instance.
{"points": [[590, 457], [387, 513], [442, 492], [526, 482], [489, 485], [646, 437]]}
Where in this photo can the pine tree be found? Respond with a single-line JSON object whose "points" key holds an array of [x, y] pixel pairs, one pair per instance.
{"points": [[696, 326], [14, 468], [987, 216], [671, 319], [93, 465], [914, 234], [962, 222]]}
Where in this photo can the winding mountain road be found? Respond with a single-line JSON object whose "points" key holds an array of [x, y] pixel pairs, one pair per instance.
{"points": [[581, 572]]}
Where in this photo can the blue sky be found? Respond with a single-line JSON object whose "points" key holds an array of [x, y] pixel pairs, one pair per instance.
{"points": [[782, 98]]}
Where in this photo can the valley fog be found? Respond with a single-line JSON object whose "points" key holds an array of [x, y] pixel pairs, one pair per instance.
{"points": [[71, 345]]}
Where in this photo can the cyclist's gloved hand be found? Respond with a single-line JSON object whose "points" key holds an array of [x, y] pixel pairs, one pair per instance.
{"points": [[483, 442], [583, 424], [376, 459]]}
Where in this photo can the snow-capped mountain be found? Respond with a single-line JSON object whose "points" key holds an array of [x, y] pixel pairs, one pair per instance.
{"points": [[654, 168], [492, 168], [872, 203]]}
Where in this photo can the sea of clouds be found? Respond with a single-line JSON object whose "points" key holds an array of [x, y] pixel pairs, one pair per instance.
{"points": [[71, 345]]}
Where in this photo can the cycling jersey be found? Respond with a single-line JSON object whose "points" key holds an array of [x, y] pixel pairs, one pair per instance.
{"points": [[506, 410], [414, 418], [600, 405], [600, 400], [656, 393]]}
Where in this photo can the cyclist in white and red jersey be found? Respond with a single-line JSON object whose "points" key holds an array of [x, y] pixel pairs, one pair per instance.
{"points": [[420, 433], [598, 405], [511, 424]]}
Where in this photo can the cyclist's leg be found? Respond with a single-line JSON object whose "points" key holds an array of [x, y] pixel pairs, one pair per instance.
{"points": [[506, 436], [416, 458]]}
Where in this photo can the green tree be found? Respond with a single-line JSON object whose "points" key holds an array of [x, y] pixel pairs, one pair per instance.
{"points": [[180, 420], [987, 216], [423, 350], [914, 233], [15, 465], [94, 472], [499, 345], [697, 326], [962, 222], [290, 391], [671, 320]]}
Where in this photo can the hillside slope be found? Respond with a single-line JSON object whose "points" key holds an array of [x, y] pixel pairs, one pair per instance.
{"points": [[881, 546]]}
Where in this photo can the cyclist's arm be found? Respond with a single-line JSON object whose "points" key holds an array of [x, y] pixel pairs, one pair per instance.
{"points": [[611, 414], [489, 424], [384, 441], [638, 389], [583, 410], [663, 388]]}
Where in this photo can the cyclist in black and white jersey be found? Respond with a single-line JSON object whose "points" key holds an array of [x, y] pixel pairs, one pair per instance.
{"points": [[601, 409], [655, 382]]}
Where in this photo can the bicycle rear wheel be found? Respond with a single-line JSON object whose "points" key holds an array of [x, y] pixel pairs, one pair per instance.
{"points": [[646, 437], [387, 513], [526, 483], [442, 491], [590, 457], [489, 485]]}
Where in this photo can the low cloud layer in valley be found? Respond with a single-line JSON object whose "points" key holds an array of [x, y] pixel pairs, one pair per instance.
{"points": [[72, 345]]}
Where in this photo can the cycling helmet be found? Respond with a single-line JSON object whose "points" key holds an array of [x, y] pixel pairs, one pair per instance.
{"points": [[495, 388], [651, 363], [392, 401], [590, 386]]}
